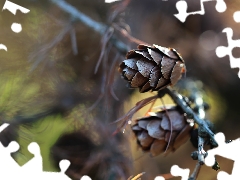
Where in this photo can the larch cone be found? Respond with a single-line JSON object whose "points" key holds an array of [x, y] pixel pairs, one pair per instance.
{"points": [[152, 67]]}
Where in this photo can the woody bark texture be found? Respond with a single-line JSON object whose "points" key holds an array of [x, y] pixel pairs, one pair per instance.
{"points": [[164, 132], [152, 67]]}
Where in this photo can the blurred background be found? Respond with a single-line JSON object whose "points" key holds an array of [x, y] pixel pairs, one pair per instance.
{"points": [[60, 85]]}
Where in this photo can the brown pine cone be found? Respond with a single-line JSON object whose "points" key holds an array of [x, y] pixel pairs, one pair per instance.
{"points": [[153, 132], [152, 67]]}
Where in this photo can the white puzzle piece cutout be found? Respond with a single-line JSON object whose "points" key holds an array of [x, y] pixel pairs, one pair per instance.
{"points": [[177, 171], [4, 126], [15, 27], [33, 169], [159, 178], [12, 7], [182, 9], [222, 51], [63, 164], [35, 164], [10, 169], [227, 150], [236, 16]]}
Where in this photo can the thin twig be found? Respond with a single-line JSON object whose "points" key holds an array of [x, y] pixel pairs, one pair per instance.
{"points": [[103, 87], [170, 121], [118, 9], [96, 26], [124, 119], [196, 171], [197, 98], [201, 152], [39, 56], [128, 36], [74, 41], [150, 108], [178, 99], [105, 41], [111, 76]]}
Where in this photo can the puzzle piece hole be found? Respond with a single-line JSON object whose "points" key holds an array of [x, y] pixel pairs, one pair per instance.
{"points": [[159, 178], [193, 5], [236, 70], [8, 135], [225, 164], [236, 52], [236, 16]]}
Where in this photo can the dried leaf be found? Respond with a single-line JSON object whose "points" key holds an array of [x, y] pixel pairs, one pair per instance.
{"points": [[138, 80], [167, 66]]}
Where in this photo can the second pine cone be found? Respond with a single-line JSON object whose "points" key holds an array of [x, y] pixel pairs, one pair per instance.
{"points": [[153, 133]]}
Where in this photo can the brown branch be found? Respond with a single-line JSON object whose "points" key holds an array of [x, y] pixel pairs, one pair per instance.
{"points": [[178, 99], [201, 152], [125, 34], [196, 171], [96, 26]]}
